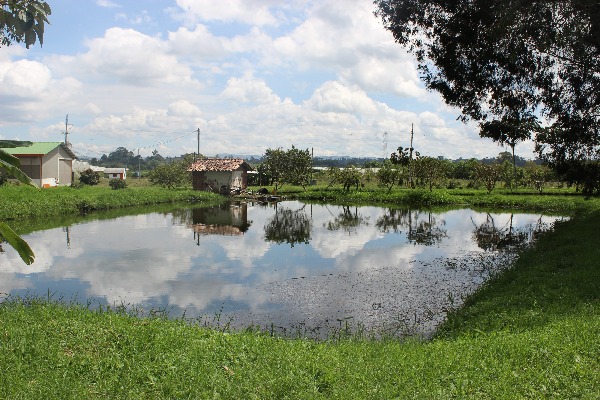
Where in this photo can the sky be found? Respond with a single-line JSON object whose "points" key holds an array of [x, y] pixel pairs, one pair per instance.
{"points": [[249, 75]]}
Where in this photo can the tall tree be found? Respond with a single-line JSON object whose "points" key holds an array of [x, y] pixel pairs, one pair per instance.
{"points": [[512, 66], [23, 21]]}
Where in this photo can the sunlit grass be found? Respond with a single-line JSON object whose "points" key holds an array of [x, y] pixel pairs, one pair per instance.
{"points": [[530, 333], [26, 202]]}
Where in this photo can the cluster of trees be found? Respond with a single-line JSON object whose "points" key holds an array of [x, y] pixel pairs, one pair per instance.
{"points": [[279, 167], [405, 168], [122, 157], [424, 171], [167, 172], [521, 69]]}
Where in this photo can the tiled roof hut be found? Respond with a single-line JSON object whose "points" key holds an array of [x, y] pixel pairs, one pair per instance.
{"points": [[220, 175]]}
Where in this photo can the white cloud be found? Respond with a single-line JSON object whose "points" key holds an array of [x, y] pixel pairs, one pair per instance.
{"points": [[133, 58], [250, 12], [249, 90], [28, 91], [183, 108], [24, 78], [107, 4], [337, 98], [199, 43]]}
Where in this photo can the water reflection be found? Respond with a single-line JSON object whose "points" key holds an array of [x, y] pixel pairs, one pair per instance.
{"points": [[288, 264], [288, 226], [492, 235], [349, 220], [422, 228], [225, 220]]}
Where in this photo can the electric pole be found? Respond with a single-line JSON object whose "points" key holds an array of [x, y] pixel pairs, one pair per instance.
{"points": [[412, 133], [385, 145], [410, 180], [67, 131], [198, 143]]}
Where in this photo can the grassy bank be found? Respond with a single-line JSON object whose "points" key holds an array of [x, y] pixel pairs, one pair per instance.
{"points": [[531, 333], [556, 201], [19, 202], [23, 202]]}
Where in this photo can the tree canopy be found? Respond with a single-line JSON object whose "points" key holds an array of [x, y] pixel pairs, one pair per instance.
{"points": [[291, 166], [520, 68], [23, 21]]}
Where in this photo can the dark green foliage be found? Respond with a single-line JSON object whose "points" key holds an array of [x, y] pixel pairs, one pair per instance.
{"points": [[291, 166], [23, 21], [349, 177], [488, 175], [116, 184], [430, 171], [172, 175], [520, 68], [388, 176], [89, 177]]}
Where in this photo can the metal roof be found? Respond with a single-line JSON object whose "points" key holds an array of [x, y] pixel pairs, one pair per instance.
{"points": [[220, 164], [114, 170], [38, 148]]}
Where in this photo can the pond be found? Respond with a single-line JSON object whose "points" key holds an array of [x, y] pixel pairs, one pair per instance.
{"points": [[287, 267]]}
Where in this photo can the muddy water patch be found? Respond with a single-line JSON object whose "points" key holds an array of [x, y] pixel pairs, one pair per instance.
{"points": [[399, 301]]}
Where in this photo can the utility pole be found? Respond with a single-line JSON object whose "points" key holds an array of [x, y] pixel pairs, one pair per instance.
{"points": [[198, 143], [312, 163], [67, 131], [412, 133], [385, 145], [139, 163]]}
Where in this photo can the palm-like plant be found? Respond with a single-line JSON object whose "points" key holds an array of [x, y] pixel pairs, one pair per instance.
{"points": [[12, 166]]}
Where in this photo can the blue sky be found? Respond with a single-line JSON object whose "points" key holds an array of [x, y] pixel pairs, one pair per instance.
{"points": [[250, 74]]}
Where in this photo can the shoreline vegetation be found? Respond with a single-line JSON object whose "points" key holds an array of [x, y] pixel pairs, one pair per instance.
{"points": [[23, 202], [531, 332]]}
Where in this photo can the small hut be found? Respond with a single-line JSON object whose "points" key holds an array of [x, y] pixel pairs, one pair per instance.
{"points": [[220, 175]]}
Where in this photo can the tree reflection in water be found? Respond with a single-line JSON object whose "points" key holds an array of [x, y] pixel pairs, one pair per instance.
{"points": [[347, 220], [422, 228], [492, 238], [289, 226]]}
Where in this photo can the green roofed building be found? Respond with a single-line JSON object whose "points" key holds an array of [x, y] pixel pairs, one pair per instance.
{"points": [[46, 163]]}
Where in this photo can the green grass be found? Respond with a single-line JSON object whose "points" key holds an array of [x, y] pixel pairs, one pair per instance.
{"points": [[532, 332], [529, 333], [557, 200], [19, 202]]}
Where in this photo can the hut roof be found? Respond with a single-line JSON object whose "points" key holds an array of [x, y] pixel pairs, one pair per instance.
{"points": [[220, 164]]}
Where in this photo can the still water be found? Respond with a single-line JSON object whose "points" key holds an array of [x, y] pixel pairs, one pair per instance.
{"points": [[288, 267]]}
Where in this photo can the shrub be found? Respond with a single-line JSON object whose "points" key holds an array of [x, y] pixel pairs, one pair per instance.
{"points": [[89, 177], [117, 184], [77, 184]]}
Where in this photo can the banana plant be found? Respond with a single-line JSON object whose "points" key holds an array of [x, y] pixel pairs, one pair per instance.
{"points": [[12, 166]]}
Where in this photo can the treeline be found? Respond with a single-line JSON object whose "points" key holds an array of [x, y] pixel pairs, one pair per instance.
{"points": [[404, 168], [123, 158]]}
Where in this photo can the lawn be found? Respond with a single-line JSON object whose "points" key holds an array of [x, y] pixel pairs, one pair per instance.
{"points": [[529, 333]]}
